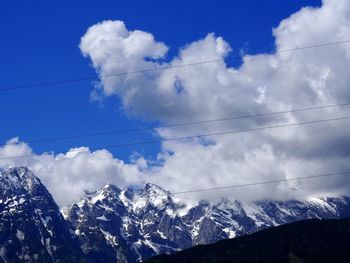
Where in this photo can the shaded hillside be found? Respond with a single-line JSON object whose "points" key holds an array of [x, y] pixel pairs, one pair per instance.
{"points": [[304, 241]]}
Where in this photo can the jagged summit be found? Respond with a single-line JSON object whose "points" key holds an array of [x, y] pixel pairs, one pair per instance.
{"points": [[109, 191], [16, 178], [153, 188], [110, 187], [32, 228], [18, 171]]}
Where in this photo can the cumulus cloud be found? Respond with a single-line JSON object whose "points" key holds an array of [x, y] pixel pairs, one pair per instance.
{"points": [[69, 175], [263, 83], [110, 41]]}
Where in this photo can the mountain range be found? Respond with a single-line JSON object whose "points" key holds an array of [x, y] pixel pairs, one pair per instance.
{"points": [[131, 225]]}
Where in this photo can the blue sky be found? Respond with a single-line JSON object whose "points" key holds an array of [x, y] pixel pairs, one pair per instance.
{"points": [[39, 43], [52, 41]]}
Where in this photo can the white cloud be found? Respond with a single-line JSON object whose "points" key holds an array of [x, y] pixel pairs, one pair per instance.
{"points": [[265, 82], [112, 48], [69, 175]]}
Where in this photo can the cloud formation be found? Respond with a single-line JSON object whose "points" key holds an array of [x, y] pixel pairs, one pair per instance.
{"points": [[263, 83], [69, 175]]}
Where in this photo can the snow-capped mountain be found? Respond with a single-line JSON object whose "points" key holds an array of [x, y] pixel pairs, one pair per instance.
{"points": [[136, 224], [32, 228], [131, 225], [115, 225]]}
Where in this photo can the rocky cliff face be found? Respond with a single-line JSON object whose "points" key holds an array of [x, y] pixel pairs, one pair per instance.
{"points": [[115, 225], [32, 228]]}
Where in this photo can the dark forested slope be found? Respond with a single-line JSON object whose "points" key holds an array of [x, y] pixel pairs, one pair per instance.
{"points": [[304, 241]]}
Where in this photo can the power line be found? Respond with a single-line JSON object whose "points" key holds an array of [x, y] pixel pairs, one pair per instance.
{"points": [[313, 46], [259, 183], [59, 82], [182, 124], [193, 136]]}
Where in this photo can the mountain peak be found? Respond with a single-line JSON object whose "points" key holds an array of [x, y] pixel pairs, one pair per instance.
{"points": [[109, 191], [19, 178], [156, 189], [31, 223], [110, 188], [225, 203], [19, 172]]}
